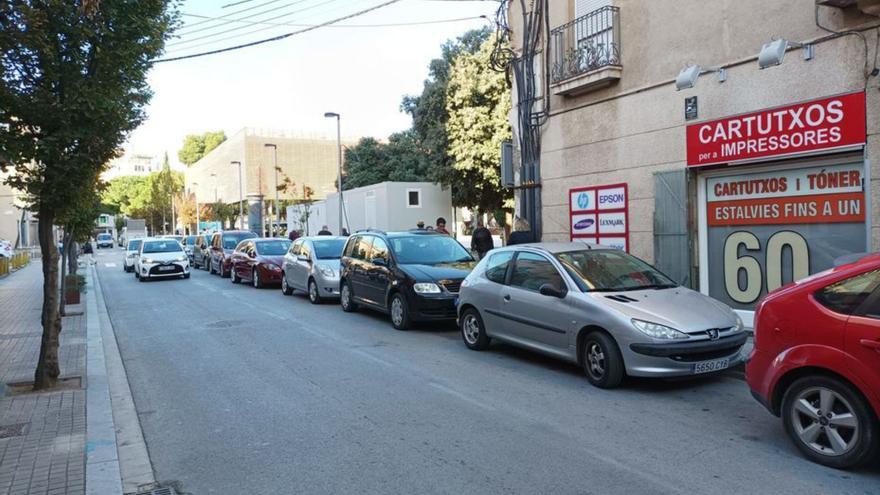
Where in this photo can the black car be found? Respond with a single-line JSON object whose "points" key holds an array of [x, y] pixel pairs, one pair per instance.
{"points": [[413, 276], [201, 252]]}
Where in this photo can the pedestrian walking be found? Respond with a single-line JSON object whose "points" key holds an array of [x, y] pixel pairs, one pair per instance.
{"points": [[481, 240], [325, 231], [441, 226], [522, 233], [420, 225], [293, 235], [345, 232]]}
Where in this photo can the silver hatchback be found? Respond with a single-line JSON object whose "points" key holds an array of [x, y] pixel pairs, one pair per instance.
{"points": [[601, 308], [312, 265]]}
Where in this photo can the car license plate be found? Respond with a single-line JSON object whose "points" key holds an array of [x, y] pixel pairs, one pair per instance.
{"points": [[710, 366], [166, 268]]}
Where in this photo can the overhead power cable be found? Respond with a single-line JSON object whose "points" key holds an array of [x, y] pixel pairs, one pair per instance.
{"points": [[218, 33], [395, 24], [279, 37], [231, 14], [233, 4]]}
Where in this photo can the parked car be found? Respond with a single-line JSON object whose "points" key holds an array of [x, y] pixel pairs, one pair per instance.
{"points": [[609, 312], [131, 254], [413, 276], [161, 258], [222, 245], [104, 240], [187, 244], [312, 265], [816, 362], [201, 254], [259, 261]]}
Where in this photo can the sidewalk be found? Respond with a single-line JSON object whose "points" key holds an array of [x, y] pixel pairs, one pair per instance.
{"points": [[42, 436]]}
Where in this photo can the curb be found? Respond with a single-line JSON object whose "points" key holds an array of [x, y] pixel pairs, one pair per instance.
{"points": [[117, 460]]}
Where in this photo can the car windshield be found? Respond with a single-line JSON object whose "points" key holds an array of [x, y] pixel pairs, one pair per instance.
{"points": [[232, 240], [104, 237], [428, 250], [163, 246], [330, 249], [608, 270], [273, 248], [134, 245]]}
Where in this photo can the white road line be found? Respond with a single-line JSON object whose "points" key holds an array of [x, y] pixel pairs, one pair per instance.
{"points": [[110, 265], [461, 396], [371, 357]]}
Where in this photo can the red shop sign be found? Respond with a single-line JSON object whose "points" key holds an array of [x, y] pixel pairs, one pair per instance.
{"points": [[826, 124]]}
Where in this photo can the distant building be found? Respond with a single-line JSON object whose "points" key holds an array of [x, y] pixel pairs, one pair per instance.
{"points": [[17, 225], [138, 164]]}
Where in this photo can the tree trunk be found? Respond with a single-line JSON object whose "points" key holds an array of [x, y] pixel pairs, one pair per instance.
{"points": [[46, 374]]}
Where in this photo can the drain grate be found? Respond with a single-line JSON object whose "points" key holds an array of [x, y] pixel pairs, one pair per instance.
{"points": [[16, 430], [226, 324]]}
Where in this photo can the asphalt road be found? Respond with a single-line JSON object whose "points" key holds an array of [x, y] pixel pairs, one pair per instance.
{"points": [[242, 390]]}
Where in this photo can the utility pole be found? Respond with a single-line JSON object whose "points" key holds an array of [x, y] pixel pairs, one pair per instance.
{"points": [[196, 199], [331, 115], [240, 194], [275, 169]]}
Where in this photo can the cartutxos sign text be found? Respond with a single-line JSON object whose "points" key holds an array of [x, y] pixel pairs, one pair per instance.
{"points": [[825, 124]]}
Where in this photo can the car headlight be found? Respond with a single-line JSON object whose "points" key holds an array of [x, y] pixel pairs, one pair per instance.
{"points": [[180, 258], [426, 288], [326, 271], [739, 324], [274, 268], [147, 261], [657, 331]]}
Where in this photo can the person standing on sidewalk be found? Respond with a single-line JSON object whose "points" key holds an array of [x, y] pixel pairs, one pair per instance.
{"points": [[522, 233], [481, 240], [441, 226], [87, 250]]}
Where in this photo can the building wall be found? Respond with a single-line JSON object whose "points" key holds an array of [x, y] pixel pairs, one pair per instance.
{"points": [[304, 160], [388, 209], [628, 131]]}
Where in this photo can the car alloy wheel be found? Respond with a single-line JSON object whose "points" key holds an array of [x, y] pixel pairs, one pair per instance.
{"points": [[399, 312], [602, 360], [472, 331], [233, 277], [285, 287], [255, 278], [346, 300], [830, 422], [314, 297]]}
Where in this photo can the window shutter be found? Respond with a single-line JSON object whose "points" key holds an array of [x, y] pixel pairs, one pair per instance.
{"points": [[584, 7]]}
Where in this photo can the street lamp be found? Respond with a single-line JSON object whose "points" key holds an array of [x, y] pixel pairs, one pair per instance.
{"points": [[332, 115], [214, 179], [196, 199], [240, 194], [275, 169]]}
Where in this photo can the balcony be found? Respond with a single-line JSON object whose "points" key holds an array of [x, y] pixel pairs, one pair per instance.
{"points": [[585, 53]]}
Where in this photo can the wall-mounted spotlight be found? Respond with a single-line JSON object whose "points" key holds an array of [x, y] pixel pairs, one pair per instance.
{"points": [[689, 75], [772, 53]]}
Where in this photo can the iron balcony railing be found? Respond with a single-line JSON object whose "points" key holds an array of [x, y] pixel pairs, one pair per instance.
{"points": [[585, 44]]}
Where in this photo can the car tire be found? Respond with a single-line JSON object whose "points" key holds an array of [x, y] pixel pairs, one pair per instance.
{"points": [[233, 277], [142, 279], [399, 312], [206, 265], [603, 363], [222, 271], [314, 295], [186, 276], [286, 289], [861, 442], [255, 279], [473, 332], [211, 267], [346, 298]]}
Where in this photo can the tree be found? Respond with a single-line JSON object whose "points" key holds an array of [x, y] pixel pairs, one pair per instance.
{"points": [[478, 103], [371, 162], [195, 146], [73, 84]]}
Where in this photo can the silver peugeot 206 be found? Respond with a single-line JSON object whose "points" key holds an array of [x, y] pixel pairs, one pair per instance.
{"points": [[599, 307]]}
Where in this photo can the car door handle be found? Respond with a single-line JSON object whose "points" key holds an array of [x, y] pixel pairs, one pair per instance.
{"points": [[871, 344], [506, 297]]}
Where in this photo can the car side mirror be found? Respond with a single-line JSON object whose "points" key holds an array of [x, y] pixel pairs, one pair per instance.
{"points": [[552, 291], [252, 255], [379, 261]]}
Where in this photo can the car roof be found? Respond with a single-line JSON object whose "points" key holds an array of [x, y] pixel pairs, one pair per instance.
{"points": [[327, 237], [562, 247], [267, 239]]}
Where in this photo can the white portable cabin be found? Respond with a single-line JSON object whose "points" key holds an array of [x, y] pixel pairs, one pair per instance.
{"points": [[388, 206]]}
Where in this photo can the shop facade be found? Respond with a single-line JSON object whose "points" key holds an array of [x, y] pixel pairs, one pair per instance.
{"points": [[734, 186]]}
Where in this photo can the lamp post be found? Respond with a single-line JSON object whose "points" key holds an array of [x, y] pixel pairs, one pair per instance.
{"points": [[240, 194], [214, 179], [275, 169], [196, 199], [332, 115]]}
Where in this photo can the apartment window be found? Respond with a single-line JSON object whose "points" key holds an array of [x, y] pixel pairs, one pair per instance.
{"points": [[413, 198]]}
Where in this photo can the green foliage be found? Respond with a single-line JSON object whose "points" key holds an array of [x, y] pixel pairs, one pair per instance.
{"points": [[478, 102], [371, 162], [144, 197], [195, 146]]}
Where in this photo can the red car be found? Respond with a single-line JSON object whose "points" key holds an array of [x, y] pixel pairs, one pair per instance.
{"points": [[222, 245], [816, 362], [259, 261]]}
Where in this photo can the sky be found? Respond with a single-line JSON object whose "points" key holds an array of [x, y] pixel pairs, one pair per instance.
{"points": [[361, 73]]}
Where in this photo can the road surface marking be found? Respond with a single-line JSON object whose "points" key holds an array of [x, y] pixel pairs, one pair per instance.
{"points": [[110, 265]]}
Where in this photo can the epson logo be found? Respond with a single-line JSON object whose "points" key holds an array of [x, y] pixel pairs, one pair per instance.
{"points": [[610, 198]]}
